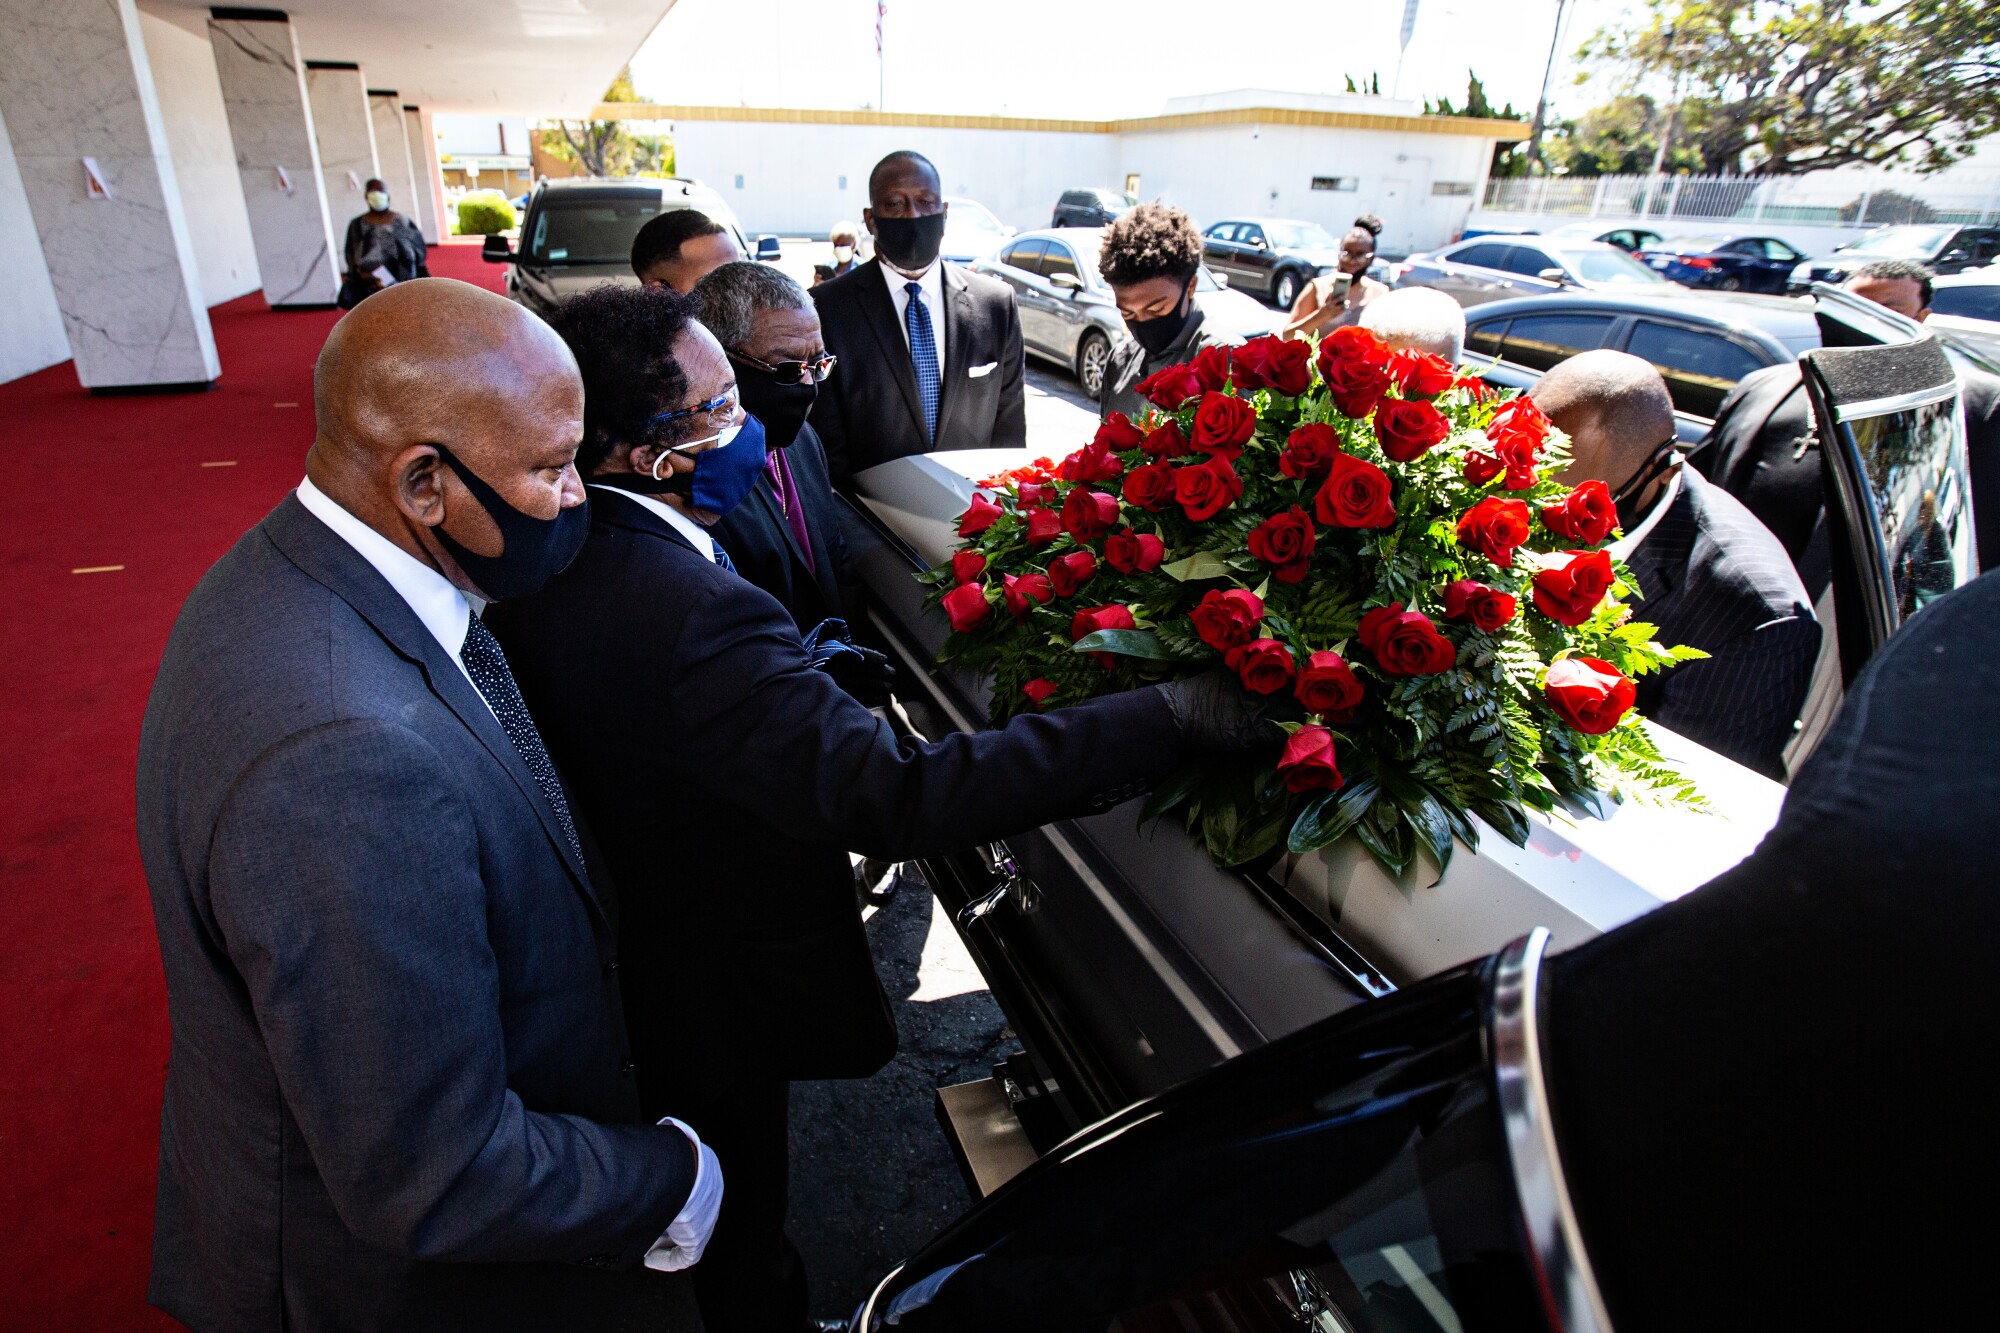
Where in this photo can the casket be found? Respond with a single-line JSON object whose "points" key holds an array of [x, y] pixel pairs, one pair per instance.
{"points": [[1128, 960]]}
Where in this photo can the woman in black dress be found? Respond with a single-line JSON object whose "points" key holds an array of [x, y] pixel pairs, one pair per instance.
{"points": [[383, 248]]}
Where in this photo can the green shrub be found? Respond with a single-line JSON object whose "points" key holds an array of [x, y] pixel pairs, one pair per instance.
{"points": [[485, 213]]}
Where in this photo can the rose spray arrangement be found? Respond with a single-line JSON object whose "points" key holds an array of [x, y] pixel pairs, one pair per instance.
{"points": [[1364, 530]]}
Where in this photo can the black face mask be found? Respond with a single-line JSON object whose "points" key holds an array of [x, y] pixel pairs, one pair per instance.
{"points": [[1626, 501], [909, 243], [781, 407], [532, 551], [1156, 335]]}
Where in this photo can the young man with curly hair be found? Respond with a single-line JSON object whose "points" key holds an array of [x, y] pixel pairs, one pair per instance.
{"points": [[1150, 258]]}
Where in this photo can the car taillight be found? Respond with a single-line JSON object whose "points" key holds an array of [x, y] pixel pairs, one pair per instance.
{"points": [[1698, 261]]}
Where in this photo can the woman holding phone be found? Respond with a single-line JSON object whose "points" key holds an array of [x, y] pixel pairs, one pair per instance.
{"points": [[1337, 298]]}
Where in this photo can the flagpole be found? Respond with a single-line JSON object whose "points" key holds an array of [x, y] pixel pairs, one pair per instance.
{"points": [[881, 12]]}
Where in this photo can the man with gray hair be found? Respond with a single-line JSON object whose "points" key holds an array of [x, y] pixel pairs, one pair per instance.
{"points": [[1421, 318], [1711, 575]]}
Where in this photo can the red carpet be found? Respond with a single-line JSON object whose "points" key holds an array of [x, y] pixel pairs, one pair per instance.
{"points": [[96, 482]]}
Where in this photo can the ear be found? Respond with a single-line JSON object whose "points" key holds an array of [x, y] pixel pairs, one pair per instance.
{"points": [[417, 479], [868, 220]]}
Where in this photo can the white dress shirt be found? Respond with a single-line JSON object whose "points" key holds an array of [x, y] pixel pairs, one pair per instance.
{"points": [[930, 287], [1622, 548], [696, 536]]}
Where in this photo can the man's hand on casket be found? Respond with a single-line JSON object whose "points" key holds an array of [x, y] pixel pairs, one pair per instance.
{"points": [[1217, 715]]}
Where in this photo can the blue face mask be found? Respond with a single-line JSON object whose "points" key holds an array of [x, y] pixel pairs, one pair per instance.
{"points": [[722, 476]]}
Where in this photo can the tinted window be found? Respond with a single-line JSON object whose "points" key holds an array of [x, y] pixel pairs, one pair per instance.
{"points": [[1540, 341], [1486, 337], [1525, 261], [1986, 245], [1249, 231], [1481, 256], [1079, 199], [1025, 255], [1059, 259], [1971, 302], [1700, 368], [586, 230]]}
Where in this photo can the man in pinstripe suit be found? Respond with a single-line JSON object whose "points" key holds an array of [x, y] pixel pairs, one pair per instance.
{"points": [[1713, 577]]}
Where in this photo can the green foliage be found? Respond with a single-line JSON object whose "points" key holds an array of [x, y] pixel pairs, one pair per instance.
{"points": [[485, 213], [1618, 137], [607, 147], [1476, 106]]}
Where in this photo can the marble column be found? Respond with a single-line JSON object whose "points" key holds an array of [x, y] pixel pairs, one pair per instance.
{"points": [[277, 159], [422, 139], [346, 137], [392, 149], [78, 99]]}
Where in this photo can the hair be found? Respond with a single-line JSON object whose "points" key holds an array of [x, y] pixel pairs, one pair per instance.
{"points": [[847, 229], [1420, 317], [1900, 270], [375, 182], [729, 298], [624, 340], [1152, 241], [660, 240], [901, 157], [1371, 224]]}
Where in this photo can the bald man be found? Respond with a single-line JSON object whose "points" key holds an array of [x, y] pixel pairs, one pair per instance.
{"points": [[400, 1094], [1422, 319], [1712, 576]]}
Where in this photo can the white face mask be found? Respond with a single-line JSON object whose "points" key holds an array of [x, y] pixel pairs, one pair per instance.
{"points": [[378, 199], [842, 253]]}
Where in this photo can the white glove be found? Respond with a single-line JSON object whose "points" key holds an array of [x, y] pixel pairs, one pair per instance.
{"points": [[680, 1246]]}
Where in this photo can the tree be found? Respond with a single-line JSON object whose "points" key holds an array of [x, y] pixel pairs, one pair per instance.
{"points": [[607, 147], [1616, 138], [1787, 86]]}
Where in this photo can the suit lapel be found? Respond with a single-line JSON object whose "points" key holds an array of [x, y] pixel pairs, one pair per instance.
{"points": [[1660, 562], [879, 308], [765, 493], [317, 550], [958, 314], [809, 478]]}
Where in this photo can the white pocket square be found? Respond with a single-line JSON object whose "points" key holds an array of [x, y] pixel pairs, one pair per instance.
{"points": [[979, 372]]}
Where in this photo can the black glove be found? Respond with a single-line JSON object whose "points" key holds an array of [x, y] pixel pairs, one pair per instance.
{"points": [[1218, 716], [861, 670]]}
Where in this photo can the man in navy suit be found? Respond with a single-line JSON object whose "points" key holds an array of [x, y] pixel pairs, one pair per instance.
{"points": [[400, 1094], [1711, 576]]}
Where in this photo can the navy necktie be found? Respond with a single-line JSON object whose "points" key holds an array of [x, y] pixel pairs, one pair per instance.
{"points": [[923, 357], [722, 557], [487, 666]]}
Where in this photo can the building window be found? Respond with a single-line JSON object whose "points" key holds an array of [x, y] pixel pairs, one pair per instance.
{"points": [[739, 183], [1345, 184], [843, 182], [1451, 187]]}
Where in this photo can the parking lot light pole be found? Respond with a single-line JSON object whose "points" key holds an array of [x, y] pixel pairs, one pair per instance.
{"points": [[1542, 103]]}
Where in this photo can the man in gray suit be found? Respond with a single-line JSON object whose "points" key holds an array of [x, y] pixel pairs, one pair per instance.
{"points": [[400, 1095]]}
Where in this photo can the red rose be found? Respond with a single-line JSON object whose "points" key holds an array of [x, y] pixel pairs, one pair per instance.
{"points": [[1206, 489], [967, 566], [1329, 687], [1309, 451], [1518, 431], [981, 516], [1131, 552], [1494, 527], [1354, 495], [1223, 424], [1271, 362], [1088, 515], [1585, 515], [1227, 617], [1031, 495], [1355, 365], [1351, 342], [1093, 462], [1486, 607], [1044, 526], [1285, 540], [1405, 643], [1408, 431], [1166, 441], [1588, 693], [1150, 486], [1023, 591], [1069, 572], [1094, 618], [1420, 374], [967, 607], [1482, 468], [1038, 690], [1569, 593], [1211, 367], [1307, 761], [1264, 665], [1118, 433], [1520, 459], [1472, 384], [1170, 387]]}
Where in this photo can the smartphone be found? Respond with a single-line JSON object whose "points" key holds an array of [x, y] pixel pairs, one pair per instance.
{"points": [[1342, 282]]}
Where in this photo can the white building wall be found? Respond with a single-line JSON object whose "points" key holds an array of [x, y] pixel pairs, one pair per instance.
{"points": [[31, 329], [204, 157]]}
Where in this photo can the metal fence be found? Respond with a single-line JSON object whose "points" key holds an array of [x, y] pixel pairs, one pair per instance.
{"points": [[1826, 198]]}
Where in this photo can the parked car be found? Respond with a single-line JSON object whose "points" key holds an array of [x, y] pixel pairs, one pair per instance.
{"points": [[1966, 308], [1493, 268], [577, 234], [1091, 208], [971, 231], [1945, 247], [1275, 257], [1724, 261], [1629, 239], [1068, 315]]}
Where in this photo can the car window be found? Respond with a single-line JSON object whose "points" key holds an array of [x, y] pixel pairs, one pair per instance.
{"points": [[587, 230], [1486, 338], [1059, 259], [1540, 341], [1967, 302], [1986, 245], [1221, 231], [1249, 232], [1700, 368], [1025, 255], [1481, 256], [1525, 260], [1610, 267], [1781, 252]]}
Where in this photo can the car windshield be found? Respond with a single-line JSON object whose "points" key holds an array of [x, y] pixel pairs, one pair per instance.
{"points": [[1611, 267], [587, 229], [971, 215], [1115, 201], [1300, 235], [1901, 242]]}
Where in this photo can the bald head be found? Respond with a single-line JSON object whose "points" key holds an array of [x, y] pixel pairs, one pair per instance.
{"points": [[1420, 318], [438, 362], [1614, 408]]}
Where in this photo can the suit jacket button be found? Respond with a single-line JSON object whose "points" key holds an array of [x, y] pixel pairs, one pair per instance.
{"points": [[611, 967], [625, 1070]]}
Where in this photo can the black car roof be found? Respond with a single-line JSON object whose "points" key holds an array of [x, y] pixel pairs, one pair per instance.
{"points": [[1784, 318]]}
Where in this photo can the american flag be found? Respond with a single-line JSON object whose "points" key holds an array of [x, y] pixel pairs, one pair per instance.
{"points": [[881, 10]]}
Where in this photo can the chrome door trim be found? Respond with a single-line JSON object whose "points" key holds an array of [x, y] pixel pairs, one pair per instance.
{"points": [[1901, 402], [1569, 1287]]}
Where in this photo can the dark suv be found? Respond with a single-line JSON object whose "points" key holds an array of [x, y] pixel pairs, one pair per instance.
{"points": [[1275, 257], [1943, 246], [1091, 208]]}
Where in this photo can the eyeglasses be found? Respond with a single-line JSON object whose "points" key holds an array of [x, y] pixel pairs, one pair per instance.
{"points": [[814, 371], [722, 408]]}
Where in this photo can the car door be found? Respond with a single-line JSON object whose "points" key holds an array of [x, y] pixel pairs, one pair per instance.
{"points": [[1066, 313], [1253, 253], [1021, 267], [1475, 273], [1699, 365]]}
